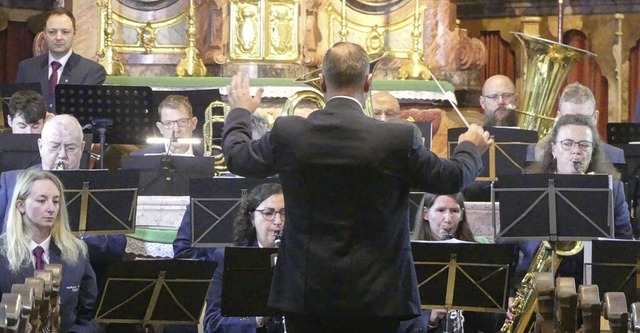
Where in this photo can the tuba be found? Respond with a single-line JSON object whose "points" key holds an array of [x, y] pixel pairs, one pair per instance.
{"points": [[525, 301], [548, 64], [207, 135], [315, 95]]}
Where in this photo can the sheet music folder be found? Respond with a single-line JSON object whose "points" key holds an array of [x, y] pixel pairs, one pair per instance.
{"points": [[100, 201], [168, 174], [214, 205], [20, 151], [554, 207], [614, 266], [508, 155], [246, 282], [462, 276], [154, 292]]}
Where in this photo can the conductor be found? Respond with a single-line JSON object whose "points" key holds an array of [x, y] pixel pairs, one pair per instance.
{"points": [[344, 263]]}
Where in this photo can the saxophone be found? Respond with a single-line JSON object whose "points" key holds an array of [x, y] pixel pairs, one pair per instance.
{"points": [[525, 301]]}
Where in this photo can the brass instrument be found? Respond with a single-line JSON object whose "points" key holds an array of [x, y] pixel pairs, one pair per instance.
{"points": [[547, 66], [207, 134], [315, 96], [525, 301], [59, 165]]}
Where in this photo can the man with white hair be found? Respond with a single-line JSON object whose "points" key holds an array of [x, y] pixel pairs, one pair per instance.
{"points": [[61, 145]]}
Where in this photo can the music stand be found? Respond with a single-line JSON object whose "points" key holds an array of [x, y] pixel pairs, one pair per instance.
{"points": [[426, 129], [154, 292], [20, 151], [613, 265], [623, 132], [100, 202], [553, 207], [118, 114], [214, 204], [507, 157], [462, 276], [247, 281], [8, 89], [168, 175]]}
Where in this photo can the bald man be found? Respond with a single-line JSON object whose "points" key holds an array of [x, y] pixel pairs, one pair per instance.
{"points": [[498, 91], [385, 106]]}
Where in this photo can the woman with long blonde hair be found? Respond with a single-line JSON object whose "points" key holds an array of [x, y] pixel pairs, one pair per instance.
{"points": [[37, 233]]}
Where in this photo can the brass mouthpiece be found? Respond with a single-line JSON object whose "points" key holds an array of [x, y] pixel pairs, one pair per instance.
{"points": [[278, 238], [59, 166], [511, 107], [446, 234]]}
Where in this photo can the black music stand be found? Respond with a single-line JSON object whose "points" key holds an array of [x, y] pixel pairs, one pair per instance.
{"points": [[154, 292], [623, 132], [117, 114], [100, 202], [8, 89], [463, 276], [614, 265], [246, 282], [214, 204], [554, 207], [20, 151], [426, 129], [167, 174], [507, 157]]}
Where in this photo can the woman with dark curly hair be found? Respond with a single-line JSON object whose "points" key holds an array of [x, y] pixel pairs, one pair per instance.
{"points": [[260, 218]]}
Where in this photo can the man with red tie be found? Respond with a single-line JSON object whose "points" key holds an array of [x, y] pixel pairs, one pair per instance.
{"points": [[60, 64]]}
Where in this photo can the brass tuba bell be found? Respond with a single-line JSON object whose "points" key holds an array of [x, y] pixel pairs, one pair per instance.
{"points": [[548, 64], [315, 95]]}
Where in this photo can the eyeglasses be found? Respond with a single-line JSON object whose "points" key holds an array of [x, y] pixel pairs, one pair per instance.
{"points": [[69, 149], [181, 123], [505, 96], [269, 214], [568, 144]]}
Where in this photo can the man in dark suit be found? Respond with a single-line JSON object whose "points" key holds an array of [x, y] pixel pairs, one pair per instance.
{"points": [[61, 146], [70, 68], [577, 99], [176, 122], [344, 263]]}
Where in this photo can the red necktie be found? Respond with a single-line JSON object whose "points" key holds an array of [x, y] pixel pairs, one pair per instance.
{"points": [[38, 252], [53, 79]]}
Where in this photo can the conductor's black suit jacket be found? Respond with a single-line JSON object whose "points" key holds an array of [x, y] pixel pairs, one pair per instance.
{"points": [[346, 178]]}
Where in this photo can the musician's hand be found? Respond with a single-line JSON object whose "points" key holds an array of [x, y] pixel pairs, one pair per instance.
{"points": [[509, 305], [478, 136], [436, 315], [239, 95]]}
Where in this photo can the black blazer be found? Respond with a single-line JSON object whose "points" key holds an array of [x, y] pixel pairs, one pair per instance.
{"points": [[78, 70], [346, 178]]}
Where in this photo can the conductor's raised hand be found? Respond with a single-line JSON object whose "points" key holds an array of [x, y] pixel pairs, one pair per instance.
{"points": [[478, 136], [239, 94]]}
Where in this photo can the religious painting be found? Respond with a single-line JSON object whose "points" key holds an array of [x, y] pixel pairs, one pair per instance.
{"points": [[148, 5]]}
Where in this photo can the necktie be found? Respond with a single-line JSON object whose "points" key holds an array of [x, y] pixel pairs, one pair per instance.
{"points": [[53, 80], [38, 252]]}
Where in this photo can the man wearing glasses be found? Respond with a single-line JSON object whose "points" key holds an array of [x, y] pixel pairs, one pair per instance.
{"points": [[498, 92], [576, 99], [176, 122]]}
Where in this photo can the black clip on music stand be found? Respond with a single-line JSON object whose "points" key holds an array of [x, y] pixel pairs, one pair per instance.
{"points": [[125, 111], [246, 282], [214, 204], [552, 207], [614, 265], [462, 276], [101, 202], [154, 292], [8, 89]]}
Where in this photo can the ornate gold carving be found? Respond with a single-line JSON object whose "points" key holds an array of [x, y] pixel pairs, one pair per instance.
{"points": [[415, 68], [108, 57], [147, 37], [264, 30], [191, 64]]}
